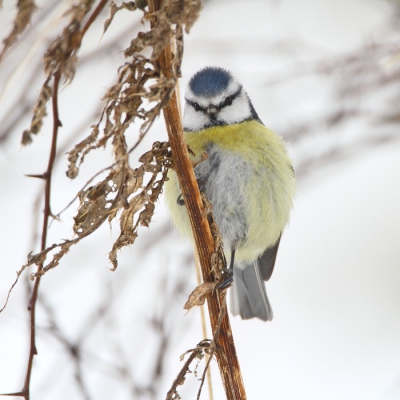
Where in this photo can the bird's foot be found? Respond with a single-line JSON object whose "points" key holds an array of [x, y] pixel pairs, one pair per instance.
{"points": [[180, 200], [227, 279]]}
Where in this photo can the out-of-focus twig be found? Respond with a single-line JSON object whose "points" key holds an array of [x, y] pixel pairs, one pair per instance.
{"points": [[197, 352]]}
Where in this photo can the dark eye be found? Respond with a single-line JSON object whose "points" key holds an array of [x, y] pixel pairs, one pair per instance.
{"points": [[228, 101], [196, 106]]}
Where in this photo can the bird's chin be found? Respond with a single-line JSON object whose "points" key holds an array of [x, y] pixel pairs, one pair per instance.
{"points": [[213, 123], [210, 124]]}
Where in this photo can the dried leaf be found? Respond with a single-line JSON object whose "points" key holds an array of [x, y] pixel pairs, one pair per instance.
{"points": [[130, 5], [156, 161], [61, 57], [25, 10], [64, 248], [199, 295], [39, 112], [79, 152], [62, 53], [184, 14], [96, 203]]}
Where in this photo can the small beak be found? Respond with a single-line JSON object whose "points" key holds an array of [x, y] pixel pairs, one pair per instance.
{"points": [[212, 111]]}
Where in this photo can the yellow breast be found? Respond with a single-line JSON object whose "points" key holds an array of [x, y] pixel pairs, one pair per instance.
{"points": [[268, 186]]}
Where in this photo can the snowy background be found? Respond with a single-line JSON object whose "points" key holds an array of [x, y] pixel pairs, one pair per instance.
{"points": [[336, 286]]}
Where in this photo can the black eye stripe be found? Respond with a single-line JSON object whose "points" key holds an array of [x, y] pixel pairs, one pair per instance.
{"points": [[229, 100], [196, 105]]}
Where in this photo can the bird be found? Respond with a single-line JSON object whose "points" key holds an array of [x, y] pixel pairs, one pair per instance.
{"points": [[248, 178]]}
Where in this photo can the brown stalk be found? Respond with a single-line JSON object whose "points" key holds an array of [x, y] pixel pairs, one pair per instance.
{"points": [[93, 16], [226, 356], [25, 392]]}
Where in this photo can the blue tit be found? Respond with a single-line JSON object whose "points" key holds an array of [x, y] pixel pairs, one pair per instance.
{"points": [[248, 177]]}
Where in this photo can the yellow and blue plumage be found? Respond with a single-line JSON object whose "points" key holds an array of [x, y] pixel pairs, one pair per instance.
{"points": [[248, 178]]}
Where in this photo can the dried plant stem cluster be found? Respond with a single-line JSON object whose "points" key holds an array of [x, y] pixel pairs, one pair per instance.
{"points": [[141, 92], [145, 86], [61, 58]]}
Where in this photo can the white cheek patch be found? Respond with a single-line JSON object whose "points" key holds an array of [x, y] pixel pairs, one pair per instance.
{"points": [[193, 120], [238, 111]]}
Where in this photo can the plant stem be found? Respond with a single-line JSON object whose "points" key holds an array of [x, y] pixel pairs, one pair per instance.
{"points": [[227, 360], [47, 213]]}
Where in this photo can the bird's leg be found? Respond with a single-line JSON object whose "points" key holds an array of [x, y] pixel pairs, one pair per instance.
{"points": [[227, 274], [232, 260]]}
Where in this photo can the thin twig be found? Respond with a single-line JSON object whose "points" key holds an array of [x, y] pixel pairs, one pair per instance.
{"points": [[73, 348], [204, 328], [213, 348], [47, 213], [93, 16], [84, 187], [182, 373], [206, 370]]}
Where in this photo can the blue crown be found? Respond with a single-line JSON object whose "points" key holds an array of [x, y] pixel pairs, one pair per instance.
{"points": [[210, 81]]}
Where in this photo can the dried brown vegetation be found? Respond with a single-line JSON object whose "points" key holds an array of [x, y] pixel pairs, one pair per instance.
{"points": [[146, 85]]}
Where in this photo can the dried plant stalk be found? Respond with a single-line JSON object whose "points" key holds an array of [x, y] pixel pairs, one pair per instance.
{"points": [[140, 93], [61, 58], [145, 86], [226, 353], [121, 192]]}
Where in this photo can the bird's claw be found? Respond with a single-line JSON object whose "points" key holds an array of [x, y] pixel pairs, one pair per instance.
{"points": [[180, 200], [227, 279]]}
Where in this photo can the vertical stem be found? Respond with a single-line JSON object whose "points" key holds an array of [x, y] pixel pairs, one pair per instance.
{"points": [[47, 209], [227, 360], [47, 213]]}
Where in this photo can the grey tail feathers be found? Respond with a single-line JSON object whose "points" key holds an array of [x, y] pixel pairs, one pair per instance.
{"points": [[248, 294]]}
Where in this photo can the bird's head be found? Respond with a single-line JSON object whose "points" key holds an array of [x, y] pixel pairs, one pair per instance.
{"points": [[215, 98]]}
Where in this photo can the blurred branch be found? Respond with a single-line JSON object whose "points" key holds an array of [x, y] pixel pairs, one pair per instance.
{"points": [[73, 349], [18, 109], [312, 163]]}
